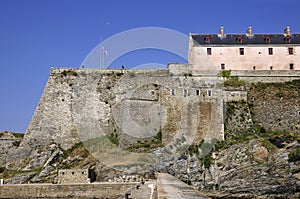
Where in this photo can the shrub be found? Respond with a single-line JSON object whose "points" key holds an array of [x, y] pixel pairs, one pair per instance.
{"points": [[294, 155], [114, 138], [207, 161], [2, 169], [193, 149], [225, 73]]}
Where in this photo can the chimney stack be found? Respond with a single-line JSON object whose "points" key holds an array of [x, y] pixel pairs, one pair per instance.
{"points": [[287, 31], [221, 31], [249, 31]]}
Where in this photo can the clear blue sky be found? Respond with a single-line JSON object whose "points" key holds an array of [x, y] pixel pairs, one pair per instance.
{"points": [[38, 34]]}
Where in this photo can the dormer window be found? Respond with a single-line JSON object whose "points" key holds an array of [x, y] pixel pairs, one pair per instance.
{"points": [[239, 39], [287, 39], [207, 39], [267, 38]]}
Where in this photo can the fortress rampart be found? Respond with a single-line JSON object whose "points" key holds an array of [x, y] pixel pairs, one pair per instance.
{"points": [[79, 104]]}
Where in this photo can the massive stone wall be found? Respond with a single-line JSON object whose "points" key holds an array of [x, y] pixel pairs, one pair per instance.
{"points": [[86, 104], [81, 104]]}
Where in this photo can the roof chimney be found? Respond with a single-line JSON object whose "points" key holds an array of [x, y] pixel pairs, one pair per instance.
{"points": [[249, 31], [287, 31], [221, 31]]}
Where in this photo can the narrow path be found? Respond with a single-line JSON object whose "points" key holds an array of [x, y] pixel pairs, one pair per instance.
{"points": [[169, 187]]}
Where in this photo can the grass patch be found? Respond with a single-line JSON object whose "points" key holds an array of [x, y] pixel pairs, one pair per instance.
{"points": [[234, 82], [147, 145], [114, 138], [257, 132], [10, 173], [271, 148]]}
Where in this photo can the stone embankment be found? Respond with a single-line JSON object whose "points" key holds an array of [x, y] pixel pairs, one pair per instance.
{"points": [[79, 191]]}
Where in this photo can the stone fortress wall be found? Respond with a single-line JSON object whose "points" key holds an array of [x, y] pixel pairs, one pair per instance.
{"points": [[81, 104]]}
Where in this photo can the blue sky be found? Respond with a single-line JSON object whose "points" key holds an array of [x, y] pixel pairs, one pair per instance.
{"points": [[36, 35]]}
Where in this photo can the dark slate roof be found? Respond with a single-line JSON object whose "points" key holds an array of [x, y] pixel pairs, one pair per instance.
{"points": [[231, 39]]}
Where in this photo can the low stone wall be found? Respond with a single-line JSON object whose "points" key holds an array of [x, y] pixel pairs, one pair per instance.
{"points": [[95, 190], [267, 75]]}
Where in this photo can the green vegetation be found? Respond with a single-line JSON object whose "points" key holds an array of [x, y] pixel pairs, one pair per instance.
{"points": [[282, 86], [206, 149], [6, 173], [19, 135], [231, 81], [158, 138], [294, 155], [2, 169], [78, 150], [234, 82], [271, 147], [207, 161], [114, 138], [147, 145], [193, 149], [225, 73], [257, 133]]}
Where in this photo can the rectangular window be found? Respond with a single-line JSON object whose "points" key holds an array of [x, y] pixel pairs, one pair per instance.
{"points": [[208, 51], [242, 52], [291, 51], [222, 66], [209, 93], [172, 92], [197, 92], [291, 66], [184, 93], [270, 51]]}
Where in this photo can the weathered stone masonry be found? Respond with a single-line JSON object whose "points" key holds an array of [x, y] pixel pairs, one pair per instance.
{"points": [[80, 104]]}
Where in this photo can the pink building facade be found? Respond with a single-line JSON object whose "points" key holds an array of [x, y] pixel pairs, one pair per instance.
{"points": [[245, 51]]}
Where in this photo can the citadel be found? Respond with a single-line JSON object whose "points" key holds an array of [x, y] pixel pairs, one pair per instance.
{"points": [[156, 120]]}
